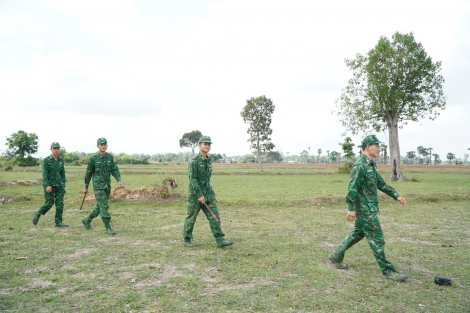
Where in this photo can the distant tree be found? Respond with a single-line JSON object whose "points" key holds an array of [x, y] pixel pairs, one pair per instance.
{"points": [[348, 147], [303, 156], [466, 158], [216, 157], [22, 145], [411, 155], [190, 139], [394, 83], [450, 157], [328, 156], [257, 114], [319, 154], [273, 156], [436, 158], [334, 156], [383, 149]]}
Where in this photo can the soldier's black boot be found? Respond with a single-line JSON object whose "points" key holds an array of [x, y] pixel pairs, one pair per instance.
{"points": [[61, 225], [222, 243]]}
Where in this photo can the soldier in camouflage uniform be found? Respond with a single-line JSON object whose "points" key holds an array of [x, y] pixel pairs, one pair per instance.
{"points": [[200, 193], [363, 207], [53, 180], [101, 165]]}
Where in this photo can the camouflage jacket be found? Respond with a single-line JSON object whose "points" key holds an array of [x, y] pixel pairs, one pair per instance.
{"points": [[200, 171], [101, 168], [53, 172], [363, 185]]}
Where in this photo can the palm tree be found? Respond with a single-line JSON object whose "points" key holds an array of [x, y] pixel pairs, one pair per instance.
{"points": [[319, 154]]}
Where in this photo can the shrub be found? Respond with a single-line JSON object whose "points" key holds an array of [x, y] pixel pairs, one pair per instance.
{"points": [[8, 168], [346, 168]]}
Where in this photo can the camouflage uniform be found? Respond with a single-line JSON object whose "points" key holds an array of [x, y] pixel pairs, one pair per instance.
{"points": [[200, 171], [53, 174], [101, 168], [362, 198]]}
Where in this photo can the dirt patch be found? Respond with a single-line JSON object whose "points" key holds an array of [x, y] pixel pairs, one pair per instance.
{"points": [[21, 182], [78, 253]]}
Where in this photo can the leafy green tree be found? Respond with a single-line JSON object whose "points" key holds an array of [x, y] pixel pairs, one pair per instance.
{"points": [[190, 139], [257, 114], [450, 157], [273, 156], [334, 156], [396, 82], [411, 155], [348, 147], [466, 158], [22, 145], [383, 149], [319, 151]]}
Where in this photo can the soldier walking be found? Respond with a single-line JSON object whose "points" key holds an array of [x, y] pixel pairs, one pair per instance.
{"points": [[101, 166], [53, 180], [201, 194], [363, 208]]}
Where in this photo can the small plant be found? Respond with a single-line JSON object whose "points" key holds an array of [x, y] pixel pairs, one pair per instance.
{"points": [[346, 168], [8, 168]]}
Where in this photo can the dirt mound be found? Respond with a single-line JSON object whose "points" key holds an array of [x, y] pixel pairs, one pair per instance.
{"points": [[164, 191]]}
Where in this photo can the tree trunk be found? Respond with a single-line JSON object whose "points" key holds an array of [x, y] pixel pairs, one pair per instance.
{"points": [[395, 173], [258, 148]]}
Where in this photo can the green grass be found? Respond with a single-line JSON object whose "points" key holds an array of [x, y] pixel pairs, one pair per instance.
{"points": [[284, 222]]}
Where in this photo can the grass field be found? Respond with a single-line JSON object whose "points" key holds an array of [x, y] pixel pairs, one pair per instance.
{"points": [[284, 222]]}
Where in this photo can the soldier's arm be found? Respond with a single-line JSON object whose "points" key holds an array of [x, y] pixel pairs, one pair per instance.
{"points": [[193, 178], [62, 173], [89, 171], [115, 170], [382, 186], [45, 177], [355, 184]]}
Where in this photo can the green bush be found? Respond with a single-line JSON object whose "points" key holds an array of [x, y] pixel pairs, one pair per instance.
{"points": [[346, 168], [8, 168]]}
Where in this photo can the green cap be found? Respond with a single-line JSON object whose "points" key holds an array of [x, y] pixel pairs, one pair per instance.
{"points": [[369, 140], [205, 139], [102, 140], [55, 145]]}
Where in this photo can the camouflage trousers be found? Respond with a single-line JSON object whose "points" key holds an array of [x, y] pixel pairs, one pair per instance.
{"points": [[55, 196], [192, 210], [102, 205], [369, 227]]}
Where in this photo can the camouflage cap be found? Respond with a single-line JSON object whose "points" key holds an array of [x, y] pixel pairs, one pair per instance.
{"points": [[102, 140], [55, 145], [369, 140], [205, 139]]}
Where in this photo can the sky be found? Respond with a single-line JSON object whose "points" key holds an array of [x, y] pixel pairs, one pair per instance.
{"points": [[143, 73]]}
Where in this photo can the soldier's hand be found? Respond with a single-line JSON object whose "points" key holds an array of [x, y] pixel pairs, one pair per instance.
{"points": [[351, 216], [48, 188], [402, 201], [120, 184], [201, 199], [85, 190]]}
